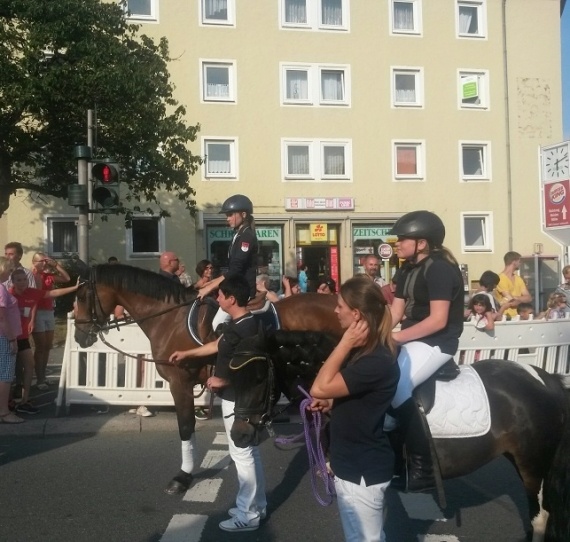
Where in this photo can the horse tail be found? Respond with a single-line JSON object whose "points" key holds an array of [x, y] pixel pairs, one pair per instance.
{"points": [[556, 490]]}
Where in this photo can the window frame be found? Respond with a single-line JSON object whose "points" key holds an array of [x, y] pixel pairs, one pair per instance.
{"points": [[417, 31], [232, 80], [234, 158], [131, 255], [418, 72], [487, 231], [230, 20], [48, 233], [314, 21], [335, 143], [314, 84], [485, 176], [481, 6], [316, 149], [420, 175], [482, 89], [152, 18]]}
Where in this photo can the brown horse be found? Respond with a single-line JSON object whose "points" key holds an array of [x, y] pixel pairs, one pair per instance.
{"points": [[160, 307], [530, 419]]}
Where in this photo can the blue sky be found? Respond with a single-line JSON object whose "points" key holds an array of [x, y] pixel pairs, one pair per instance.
{"points": [[566, 70]]}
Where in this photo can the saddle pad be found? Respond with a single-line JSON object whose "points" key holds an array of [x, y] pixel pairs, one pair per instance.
{"points": [[461, 407]]}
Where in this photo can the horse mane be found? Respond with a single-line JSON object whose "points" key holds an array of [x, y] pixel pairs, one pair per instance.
{"points": [[141, 281]]}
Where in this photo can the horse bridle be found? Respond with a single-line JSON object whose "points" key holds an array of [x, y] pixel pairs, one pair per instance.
{"points": [[96, 316]]}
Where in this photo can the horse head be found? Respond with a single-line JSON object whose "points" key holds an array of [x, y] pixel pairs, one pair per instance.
{"points": [[88, 320], [255, 394]]}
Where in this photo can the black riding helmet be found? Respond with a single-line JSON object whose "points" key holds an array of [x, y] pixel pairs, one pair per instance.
{"points": [[420, 225], [237, 204]]}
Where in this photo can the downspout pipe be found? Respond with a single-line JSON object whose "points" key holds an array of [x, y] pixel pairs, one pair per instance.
{"points": [[507, 130]]}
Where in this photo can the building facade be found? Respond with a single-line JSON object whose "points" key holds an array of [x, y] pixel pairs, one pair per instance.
{"points": [[336, 117]]}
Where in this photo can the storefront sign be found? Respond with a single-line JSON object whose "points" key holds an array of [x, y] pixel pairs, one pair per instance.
{"points": [[220, 233], [319, 204], [319, 232], [368, 232]]}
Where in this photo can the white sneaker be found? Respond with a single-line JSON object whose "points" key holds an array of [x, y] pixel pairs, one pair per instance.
{"points": [[143, 411], [233, 512], [235, 525]]}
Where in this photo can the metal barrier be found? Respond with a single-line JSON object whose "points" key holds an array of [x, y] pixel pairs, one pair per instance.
{"points": [[99, 375]]}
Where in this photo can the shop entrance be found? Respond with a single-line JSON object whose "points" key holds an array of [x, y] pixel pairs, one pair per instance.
{"points": [[317, 248]]}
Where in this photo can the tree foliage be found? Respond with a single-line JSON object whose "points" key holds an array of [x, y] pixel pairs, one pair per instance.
{"points": [[60, 58]]}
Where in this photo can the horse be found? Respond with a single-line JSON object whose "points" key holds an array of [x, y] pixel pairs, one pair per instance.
{"points": [[160, 307], [530, 420]]}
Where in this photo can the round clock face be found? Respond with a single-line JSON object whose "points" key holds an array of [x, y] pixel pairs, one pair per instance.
{"points": [[556, 163]]}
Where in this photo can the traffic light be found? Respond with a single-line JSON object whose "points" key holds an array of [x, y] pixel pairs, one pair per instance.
{"points": [[106, 189]]}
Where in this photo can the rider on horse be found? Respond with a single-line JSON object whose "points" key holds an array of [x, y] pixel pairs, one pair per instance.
{"points": [[429, 304], [242, 253]]}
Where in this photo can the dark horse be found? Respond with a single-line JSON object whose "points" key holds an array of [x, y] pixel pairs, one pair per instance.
{"points": [[530, 422], [160, 307]]}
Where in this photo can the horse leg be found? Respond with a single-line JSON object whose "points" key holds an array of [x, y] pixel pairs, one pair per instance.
{"points": [[184, 402], [532, 482]]}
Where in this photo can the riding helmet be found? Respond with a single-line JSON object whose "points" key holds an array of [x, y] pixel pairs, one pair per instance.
{"points": [[420, 225], [237, 203]]}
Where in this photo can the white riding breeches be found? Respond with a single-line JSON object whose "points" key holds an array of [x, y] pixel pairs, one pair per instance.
{"points": [[417, 361], [220, 318]]}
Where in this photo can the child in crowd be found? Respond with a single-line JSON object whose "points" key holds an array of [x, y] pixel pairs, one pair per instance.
{"points": [[525, 311], [28, 299], [481, 312], [556, 306], [564, 288], [488, 282]]}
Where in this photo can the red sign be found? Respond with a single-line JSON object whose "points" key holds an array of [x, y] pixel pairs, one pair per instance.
{"points": [[385, 251], [557, 204]]}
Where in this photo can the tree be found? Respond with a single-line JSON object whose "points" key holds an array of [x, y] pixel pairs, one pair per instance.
{"points": [[60, 58]]}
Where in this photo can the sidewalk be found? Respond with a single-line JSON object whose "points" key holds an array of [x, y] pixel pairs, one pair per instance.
{"points": [[87, 419]]}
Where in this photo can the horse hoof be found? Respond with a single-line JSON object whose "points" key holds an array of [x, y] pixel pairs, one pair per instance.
{"points": [[179, 484]]}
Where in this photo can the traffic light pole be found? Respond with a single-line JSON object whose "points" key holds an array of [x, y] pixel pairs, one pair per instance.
{"points": [[83, 155]]}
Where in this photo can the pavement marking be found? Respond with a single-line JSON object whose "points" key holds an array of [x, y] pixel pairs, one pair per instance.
{"points": [[185, 528], [221, 439], [216, 459], [204, 491], [421, 506], [437, 538]]}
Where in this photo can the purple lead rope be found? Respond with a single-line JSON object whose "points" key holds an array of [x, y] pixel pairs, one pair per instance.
{"points": [[317, 460]]}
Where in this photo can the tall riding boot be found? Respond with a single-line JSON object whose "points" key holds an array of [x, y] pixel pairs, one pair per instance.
{"points": [[418, 455]]}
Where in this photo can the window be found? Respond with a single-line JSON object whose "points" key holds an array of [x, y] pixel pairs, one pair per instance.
{"points": [[408, 160], [315, 85], [471, 19], [218, 12], [406, 17], [474, 89], [315, 14], [145, 237], [407, 87], [218, 82], [476, 232], [220, 158], [142, 10], [62, 235], [475, 160], [313, 159]]}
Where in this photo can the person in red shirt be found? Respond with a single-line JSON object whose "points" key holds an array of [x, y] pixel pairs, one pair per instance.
{"points": [[28, 299], [47, 273]]}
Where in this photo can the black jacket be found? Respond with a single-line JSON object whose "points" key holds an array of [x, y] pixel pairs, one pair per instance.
{"points": [[243, 256]]}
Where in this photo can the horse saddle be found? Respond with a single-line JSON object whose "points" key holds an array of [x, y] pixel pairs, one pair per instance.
{"points": [[456, 407], [202, 313]]}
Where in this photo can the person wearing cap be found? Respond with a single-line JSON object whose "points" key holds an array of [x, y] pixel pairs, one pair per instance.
{"points": [[429, 305], [242, 252]]}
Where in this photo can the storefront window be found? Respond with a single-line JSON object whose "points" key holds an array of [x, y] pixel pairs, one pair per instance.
{"points": [[374, 239], [269, 257]]}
